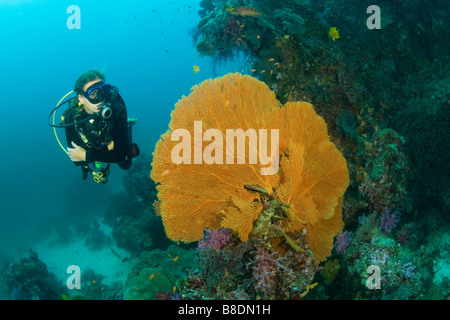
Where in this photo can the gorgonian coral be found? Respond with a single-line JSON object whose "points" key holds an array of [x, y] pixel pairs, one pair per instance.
{"points": [[306, 191]]}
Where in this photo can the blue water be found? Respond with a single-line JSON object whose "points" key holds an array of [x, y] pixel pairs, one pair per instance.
{"points": [[144, 48]]}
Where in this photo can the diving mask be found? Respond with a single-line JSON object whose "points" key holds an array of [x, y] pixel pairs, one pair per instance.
{"points": [[97, 92]]}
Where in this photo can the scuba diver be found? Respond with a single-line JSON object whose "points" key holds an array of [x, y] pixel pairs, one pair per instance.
{"points": [[97, 128]]}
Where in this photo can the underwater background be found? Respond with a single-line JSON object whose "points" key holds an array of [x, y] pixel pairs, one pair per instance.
{"points": [[383, 94]]}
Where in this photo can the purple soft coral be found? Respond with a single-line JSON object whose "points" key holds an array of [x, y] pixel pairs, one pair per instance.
{"points": [[389, 220], [343, 239], [216, 239]]}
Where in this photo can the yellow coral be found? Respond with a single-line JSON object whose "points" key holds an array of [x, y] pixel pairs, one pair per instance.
{"points": [[330, 270], [311, 180]]}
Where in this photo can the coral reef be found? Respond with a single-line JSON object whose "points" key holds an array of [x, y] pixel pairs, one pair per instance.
{"points": [[248, 270], [29, 279], [157, 272], [304, 196], [371, 155], [405, 274], [288, 218]]}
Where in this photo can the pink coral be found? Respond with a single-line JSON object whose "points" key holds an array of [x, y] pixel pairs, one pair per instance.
{"points": [[217, 239], [265, 271]]}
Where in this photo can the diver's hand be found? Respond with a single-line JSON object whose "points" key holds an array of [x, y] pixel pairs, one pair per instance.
{"points": [[77, 153]]}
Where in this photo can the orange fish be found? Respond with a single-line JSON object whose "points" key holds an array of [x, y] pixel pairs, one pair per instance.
{"points": [[174, 289], [226, 272], [244, 11], [263, 71], [151, 277], [175, 259], [271, 59], [253, 70]]}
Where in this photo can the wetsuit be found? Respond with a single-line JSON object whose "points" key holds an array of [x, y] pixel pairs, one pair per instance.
{"points": [[95, 134]]}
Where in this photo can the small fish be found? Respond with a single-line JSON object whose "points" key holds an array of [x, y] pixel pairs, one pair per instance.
{"points": [[258, 36], [227, 103], [308, 287], [174, 289], [93, 281], [263, 71], [165, 172], [271, 59], [175, 259], [244, 11], [256, 189], [252, 70], [334, 33], [226, 272], [195, 68], [151, 277]]}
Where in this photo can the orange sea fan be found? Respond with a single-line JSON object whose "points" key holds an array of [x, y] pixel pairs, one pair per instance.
{"points": [[311, 180], [314, 175], [196, 196]]}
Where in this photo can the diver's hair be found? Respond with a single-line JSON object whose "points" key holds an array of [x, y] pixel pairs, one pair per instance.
{"points": [[86, 77]]}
